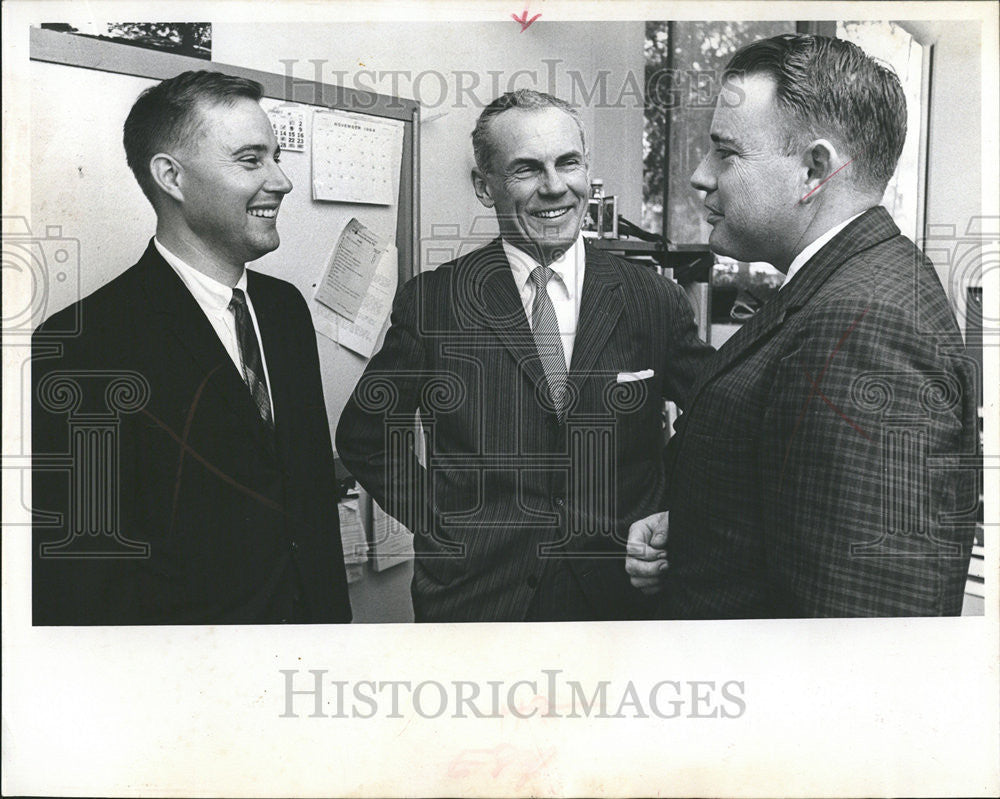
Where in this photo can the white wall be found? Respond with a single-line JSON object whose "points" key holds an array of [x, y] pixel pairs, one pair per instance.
{"points": [[954, 188], [454, 69]]}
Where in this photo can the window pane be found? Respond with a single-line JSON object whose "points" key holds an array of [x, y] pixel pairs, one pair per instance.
{"points": [[700, 51]]}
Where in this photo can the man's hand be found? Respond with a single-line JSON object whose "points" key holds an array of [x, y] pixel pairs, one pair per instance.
{"points": [[646, 553]]}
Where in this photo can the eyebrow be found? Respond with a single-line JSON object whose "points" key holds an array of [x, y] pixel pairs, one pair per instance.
{"points": [[715, 137], [260, 149]]}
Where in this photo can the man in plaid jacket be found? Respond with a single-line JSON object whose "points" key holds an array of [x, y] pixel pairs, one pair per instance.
{"points": [[827, 462]]}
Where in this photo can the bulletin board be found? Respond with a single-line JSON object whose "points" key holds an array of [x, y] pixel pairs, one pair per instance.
{"points": [[82, 190]]}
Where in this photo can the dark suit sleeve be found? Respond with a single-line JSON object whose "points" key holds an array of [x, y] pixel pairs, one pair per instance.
{"points": [[686, 353], [312, 473], [66, 370], [851, 510], [373, 437]]}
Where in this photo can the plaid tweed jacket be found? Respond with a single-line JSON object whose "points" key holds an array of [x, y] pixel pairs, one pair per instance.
{"points": [[509, 489], [826, 464]]}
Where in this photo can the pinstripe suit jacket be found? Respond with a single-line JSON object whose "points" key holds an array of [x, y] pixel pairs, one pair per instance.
{"points": [[822, 468], [508, 488]]}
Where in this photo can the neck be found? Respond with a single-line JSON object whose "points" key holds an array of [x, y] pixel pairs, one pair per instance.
{"points": [[821, 217], [192, 251], [544, 255]]}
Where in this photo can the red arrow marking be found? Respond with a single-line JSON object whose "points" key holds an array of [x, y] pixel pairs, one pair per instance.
{"points": [[523, 20]]}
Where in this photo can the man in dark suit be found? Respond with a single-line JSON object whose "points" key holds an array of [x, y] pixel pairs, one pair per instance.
{"points": [[186, 395], [826, 465], [539, 366]]}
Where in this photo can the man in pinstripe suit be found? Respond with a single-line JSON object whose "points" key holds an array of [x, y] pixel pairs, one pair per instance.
{"points": [[826, 463], [539, 366]]}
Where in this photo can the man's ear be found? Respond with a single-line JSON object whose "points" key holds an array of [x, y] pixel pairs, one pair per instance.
{"points": [[166, 173], [820, 161], [482, 188]]}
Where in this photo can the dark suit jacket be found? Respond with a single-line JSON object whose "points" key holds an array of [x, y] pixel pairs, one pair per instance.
{"points": [[823, 467], [240, 524], [508, 489]]}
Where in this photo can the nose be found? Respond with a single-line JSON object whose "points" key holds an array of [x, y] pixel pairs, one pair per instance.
{"points": [[553, 183], [703, 178], [277, 180]]}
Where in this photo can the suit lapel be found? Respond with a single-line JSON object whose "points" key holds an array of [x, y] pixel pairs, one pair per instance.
{"points": [[488, 284], [600, 309], [868, 230], [180, 318], [279, 353]]}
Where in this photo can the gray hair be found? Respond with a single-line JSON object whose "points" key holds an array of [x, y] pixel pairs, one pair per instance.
{"points": [[527, 99]]}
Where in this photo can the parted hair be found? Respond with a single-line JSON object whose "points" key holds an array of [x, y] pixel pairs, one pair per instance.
{"points": [[831, 88], [166, 115]]}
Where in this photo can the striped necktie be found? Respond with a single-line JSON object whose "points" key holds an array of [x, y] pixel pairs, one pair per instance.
{"points": [[253, 368], [545, 327]]}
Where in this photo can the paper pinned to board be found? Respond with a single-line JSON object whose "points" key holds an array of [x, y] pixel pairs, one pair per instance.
{"points": [[364, 334], [355, 157], [351, 268]]}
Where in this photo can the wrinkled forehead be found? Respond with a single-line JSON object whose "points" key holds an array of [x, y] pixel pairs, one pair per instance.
{"points": [[535, 133]]}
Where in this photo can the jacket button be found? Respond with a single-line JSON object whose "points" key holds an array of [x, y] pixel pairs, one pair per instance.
{"points": [[558, 501], [295, 546], [532, 581]]}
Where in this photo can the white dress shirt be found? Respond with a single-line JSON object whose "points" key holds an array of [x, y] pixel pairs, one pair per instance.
{"points": [[814, 247], [213, 298], [565, 287]]}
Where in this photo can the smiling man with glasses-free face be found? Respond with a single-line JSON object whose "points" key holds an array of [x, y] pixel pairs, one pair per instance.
{"points": [[535, 179], [223, 466], [539, 366]]}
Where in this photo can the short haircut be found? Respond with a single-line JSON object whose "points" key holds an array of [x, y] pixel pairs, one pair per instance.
{"points": [[166, 115], [830, 87], [525, 99]]}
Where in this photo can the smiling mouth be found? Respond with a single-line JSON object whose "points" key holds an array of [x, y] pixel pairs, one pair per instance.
{"points": [[552, 213], [263, 213]]}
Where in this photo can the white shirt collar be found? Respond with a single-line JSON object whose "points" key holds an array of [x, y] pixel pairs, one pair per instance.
{"points": [[568, 268], [814, 247], [207, 291]]}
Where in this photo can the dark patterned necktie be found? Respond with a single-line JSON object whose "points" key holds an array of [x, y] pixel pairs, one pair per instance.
{"points": [[253, 369], [545, 327]]}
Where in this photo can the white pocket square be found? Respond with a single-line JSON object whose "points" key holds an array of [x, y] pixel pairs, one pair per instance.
{"points": [[629, 377]]}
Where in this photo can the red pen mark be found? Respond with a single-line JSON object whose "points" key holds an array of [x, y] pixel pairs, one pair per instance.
{"points": [[834, 408], [525, 23], [183, 444], [825, 180], [815, 390], [266, 501]]}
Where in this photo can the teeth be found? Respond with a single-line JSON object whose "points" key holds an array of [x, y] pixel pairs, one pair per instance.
{"points": [[265, 213], [550, 214]]}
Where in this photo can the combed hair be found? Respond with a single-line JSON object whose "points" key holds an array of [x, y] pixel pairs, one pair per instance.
{"points": [[831, 88], [527, 99], [166, 115]]}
